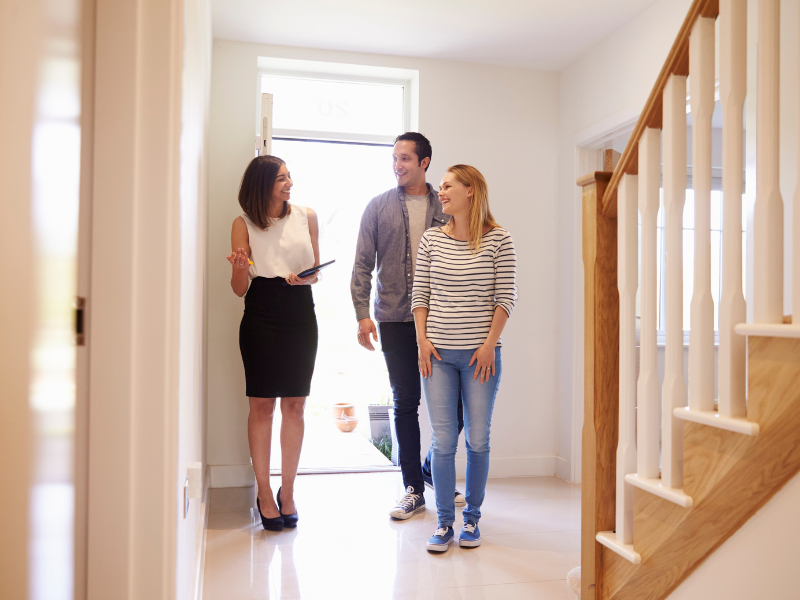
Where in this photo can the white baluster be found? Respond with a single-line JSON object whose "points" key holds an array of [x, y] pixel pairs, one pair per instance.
{"points": [[627, 267], [701, 340], [732, 308], [768, 215], [648, 400], [674, 387]]}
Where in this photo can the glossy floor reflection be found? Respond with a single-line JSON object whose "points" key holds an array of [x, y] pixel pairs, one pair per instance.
{"points": [[346, 546]]}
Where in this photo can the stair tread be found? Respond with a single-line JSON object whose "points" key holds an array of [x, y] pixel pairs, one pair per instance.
{"points": [[712, 418], [655, 486], [626, 551], [769, 329]]}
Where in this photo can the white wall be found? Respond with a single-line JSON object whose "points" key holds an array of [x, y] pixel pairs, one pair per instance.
{"points": [[758, 561], [789, 132], [191, 384], [146, 347], [503, 121]]}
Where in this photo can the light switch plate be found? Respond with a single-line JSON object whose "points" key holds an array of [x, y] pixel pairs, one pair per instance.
{"points": [[186, 498], [195, 474]]}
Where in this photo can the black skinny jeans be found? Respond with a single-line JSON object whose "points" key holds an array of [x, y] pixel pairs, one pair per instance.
{"points": [[399, 343]]}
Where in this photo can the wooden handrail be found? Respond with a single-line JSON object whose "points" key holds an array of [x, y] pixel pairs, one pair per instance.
{"points": [[677, 63]]}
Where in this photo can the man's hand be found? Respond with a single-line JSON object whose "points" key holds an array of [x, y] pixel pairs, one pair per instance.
{"points": [[365, 328]]}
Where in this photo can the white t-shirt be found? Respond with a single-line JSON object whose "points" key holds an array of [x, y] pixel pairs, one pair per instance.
{"points": [[285, 247], [417, 207]]}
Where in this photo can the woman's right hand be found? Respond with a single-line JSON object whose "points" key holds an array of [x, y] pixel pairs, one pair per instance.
{"points": [[239, 261], [425, 350]]}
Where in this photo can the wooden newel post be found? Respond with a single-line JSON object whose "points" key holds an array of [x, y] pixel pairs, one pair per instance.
{"points": [[601, 376]]}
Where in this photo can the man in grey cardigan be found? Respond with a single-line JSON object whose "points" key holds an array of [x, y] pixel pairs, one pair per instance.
{"points": [[391, 229]]}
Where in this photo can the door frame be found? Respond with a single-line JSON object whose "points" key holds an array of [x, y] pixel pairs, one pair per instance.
{"points": [[132, 177], [586, 143]]}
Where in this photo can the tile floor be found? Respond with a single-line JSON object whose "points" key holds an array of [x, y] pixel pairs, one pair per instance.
{"points": [[346, 546]]}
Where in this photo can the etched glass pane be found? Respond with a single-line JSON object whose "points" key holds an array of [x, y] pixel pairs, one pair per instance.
{"points": [[335, 106]]}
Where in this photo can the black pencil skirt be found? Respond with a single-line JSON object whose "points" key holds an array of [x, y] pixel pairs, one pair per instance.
{"points": [[278, 339]]}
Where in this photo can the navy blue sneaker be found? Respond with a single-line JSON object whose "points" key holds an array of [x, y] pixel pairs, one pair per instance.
{"points": [[470, 536], [411, 503], [440, 539]]}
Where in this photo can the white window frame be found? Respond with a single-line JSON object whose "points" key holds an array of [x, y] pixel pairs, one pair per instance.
{"points": [[408, 79]]}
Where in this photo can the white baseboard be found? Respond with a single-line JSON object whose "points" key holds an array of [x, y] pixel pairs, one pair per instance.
{"points": [[225, 476], [523, 466], [200, 553], [563, 469]]}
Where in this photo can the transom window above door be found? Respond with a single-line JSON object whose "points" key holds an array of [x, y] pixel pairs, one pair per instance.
{"points": [[305, 107]]}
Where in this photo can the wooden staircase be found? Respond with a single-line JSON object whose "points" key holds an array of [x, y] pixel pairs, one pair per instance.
{"points": [[728, 475], [652, 512]]}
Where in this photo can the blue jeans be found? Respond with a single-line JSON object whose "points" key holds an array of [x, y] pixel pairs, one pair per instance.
{"points": [[449, 377]]}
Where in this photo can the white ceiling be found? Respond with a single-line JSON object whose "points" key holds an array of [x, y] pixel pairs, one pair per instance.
{"points": [[536, 34]]}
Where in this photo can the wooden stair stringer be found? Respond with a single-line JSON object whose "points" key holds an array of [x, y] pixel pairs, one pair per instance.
{"points": [[730, 477]]}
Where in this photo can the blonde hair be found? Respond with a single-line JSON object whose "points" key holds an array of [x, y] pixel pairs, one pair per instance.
{"points": [[480, 216]]}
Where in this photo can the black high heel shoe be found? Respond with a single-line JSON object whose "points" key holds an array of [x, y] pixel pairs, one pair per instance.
{"points": [[288, 520], [275, 524]]}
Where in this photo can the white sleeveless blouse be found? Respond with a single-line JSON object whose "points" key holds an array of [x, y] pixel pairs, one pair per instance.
{"points": [[285, 247]]}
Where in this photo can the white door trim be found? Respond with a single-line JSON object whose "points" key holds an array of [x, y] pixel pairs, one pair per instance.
{"points": [[586, 162], [135, 260], [84, 268]]}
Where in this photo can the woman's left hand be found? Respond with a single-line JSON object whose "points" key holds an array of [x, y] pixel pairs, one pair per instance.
{"points": [[484, 359], [293, 279]]}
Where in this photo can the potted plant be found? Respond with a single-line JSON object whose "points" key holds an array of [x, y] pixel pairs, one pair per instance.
{"points": [[344, 416]]}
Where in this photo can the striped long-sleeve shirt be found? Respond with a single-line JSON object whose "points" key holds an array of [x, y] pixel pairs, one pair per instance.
{"points": [[460, 289]]}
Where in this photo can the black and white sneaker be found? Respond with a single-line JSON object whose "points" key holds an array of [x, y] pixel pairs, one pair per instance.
{"points": [[410, 504]]}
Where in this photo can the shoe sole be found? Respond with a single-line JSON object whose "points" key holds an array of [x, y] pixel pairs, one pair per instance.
{"points": [[404, 516], [469, 543], [439, 547]]}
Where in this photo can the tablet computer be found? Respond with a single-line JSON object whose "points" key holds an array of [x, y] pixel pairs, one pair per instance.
{"points": [[312, 270]]}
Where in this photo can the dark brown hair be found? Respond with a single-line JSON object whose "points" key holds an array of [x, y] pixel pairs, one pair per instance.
{"points": [[255, 191], [422, 145]]}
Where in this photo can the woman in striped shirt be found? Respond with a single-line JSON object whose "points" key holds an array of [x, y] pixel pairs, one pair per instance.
{"points": [[464, 292]]}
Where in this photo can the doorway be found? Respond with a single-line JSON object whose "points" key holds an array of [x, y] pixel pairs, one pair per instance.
{"points": [[336, 136]]}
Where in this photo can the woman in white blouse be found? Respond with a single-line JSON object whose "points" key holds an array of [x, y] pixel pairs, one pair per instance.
{"points": [[271, 241], [464, 292]]}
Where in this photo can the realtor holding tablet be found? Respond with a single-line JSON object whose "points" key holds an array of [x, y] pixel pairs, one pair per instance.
{"points": [[271, 242]]}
